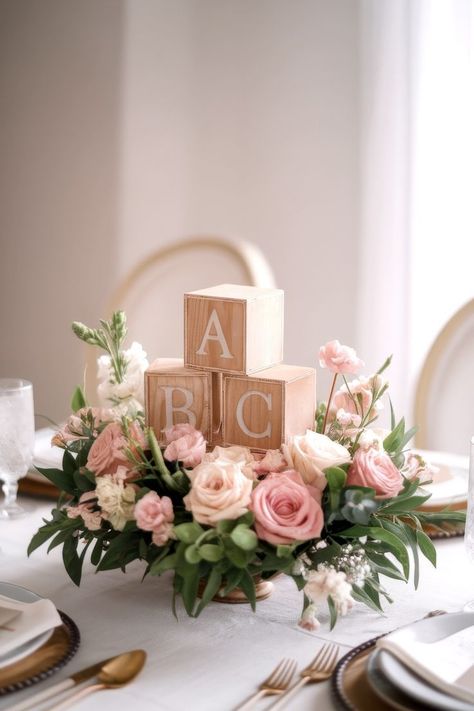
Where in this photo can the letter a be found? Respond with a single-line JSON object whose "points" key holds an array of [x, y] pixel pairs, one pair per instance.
{"points": [[170, 409], [217, 336], [240, 414]]}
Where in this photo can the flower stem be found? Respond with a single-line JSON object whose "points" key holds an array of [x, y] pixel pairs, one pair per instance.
{"points": [[329, 402]]}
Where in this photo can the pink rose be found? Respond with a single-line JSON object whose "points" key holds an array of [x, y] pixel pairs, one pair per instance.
{"points": [[286, 509], [109, 450], [339, 359], [185, 444], [219, 490], [373, 467], [155, 513]]}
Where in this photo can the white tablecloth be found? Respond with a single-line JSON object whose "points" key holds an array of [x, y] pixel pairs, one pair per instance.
{"points": [[214, 662]]}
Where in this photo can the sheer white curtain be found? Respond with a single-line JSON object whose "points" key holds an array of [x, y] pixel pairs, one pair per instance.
{"points": [[417, 171]]}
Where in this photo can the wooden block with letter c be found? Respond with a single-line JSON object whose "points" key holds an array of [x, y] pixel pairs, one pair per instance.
{"points": [[233, 329], [175, 394], [263, 410]]}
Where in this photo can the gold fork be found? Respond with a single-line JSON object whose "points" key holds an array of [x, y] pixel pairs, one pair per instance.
{"points": [[278, 682], [319, 669]]}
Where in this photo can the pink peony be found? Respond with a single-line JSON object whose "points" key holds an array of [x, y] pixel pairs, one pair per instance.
{"points": [[109, 450], [339, 359], [373, 467], [286, 509], [155, 513], [185, 444]]}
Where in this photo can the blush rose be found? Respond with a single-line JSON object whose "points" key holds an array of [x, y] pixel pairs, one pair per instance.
{"points": [[286, 509], [311, 453], [219, 490], [373, 467]]}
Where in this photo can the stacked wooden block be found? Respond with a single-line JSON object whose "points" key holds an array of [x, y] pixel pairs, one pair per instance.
{"points": [[232, 384]]}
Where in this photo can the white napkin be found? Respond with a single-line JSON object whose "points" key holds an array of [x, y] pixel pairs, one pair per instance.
{"points": [[443, 659], [22, 621]]}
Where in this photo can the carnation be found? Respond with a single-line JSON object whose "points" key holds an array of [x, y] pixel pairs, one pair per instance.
{"points": [[116, 498], [327, 582]]}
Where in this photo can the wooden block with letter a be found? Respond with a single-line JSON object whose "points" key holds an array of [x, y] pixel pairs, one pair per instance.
{"points": [[175, 394], [262, 411], [233, 329]]}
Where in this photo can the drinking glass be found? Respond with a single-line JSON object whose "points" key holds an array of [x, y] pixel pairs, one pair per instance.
{"points": [[469, 533], [17, 438]]}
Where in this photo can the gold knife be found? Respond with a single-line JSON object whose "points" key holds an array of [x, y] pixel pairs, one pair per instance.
{"points": [[69, 683]]}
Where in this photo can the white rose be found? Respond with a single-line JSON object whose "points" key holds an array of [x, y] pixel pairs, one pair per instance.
{"points": [[311, 453], [219, 490], [236, 455], [116, 498]]}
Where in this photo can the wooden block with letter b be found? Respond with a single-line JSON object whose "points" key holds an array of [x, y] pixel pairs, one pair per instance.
{"points": [[175, 394], [233, 329], [262, 411]]}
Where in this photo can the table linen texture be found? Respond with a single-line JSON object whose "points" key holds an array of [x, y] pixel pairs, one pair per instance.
{"points": [[214, 662]]}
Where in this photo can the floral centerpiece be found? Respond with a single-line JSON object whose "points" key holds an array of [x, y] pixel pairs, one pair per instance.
{"points": [[335, 508]]}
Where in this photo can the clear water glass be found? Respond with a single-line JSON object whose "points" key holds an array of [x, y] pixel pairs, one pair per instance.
{"points": [[17, 438]]}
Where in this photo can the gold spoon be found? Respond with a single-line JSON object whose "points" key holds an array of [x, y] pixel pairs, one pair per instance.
{"points": [[114, 674]]}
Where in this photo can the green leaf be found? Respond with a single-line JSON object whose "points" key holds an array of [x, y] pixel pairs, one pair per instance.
{"points": [[244, 537], [212, 586], [410, 536], [393, 440], [361, 595], [40, 537], [71, 560], [332, 612], [63, 481], [190, 575], [211, 553], [226, 526], [247, 518], [236, 555], [168, 563], [232, 580], [188, 532], [78, 400], [247, 584], [405, 504], [193, 554], [284, 551], [384, 566], [426, 547], [96, 552], [336, 477]]}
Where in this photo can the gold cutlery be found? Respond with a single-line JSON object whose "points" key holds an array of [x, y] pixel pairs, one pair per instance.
{"points": [[69, 683], [276, 683], [318, 670], [114, 674]]}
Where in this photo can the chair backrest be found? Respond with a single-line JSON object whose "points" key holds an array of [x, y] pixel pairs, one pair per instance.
{"points": [[152, 293], [444, 400]]}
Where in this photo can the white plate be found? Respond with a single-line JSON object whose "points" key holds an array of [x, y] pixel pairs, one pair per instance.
{"points": [[384, 667], [449, 487], [22, 595]]}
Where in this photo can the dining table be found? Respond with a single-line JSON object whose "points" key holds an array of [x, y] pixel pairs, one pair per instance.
{"points": [[214, 662]]}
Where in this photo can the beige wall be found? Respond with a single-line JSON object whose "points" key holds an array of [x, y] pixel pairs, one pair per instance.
{"points": [[126, 126], [59, 152]]}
